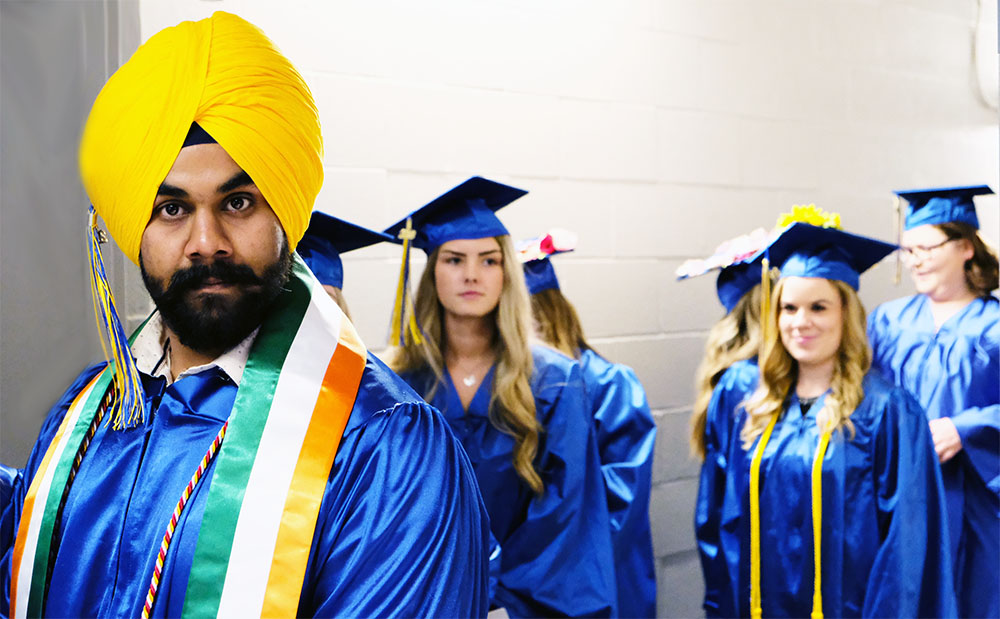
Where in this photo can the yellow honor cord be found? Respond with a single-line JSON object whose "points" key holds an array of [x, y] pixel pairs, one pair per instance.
{"points": [[817, 518], [755, 597], [756, 611]]}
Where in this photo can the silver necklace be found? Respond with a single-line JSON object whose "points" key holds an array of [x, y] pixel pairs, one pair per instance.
{"points": [[469, 380]]}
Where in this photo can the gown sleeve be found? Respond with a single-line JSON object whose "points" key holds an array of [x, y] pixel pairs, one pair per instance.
{"points": [[412, 548], [626, 437], [19, 482], [735, 384], [558, 561], [911, 575]]}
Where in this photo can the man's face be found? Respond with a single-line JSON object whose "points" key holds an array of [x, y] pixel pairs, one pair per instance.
{"points": [[213, 256]]}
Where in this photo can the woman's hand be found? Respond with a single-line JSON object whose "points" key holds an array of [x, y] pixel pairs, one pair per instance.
{"points": [[947, 442]]}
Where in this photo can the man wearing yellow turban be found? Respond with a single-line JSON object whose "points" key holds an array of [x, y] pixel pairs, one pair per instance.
{"points": [[242, 454]]}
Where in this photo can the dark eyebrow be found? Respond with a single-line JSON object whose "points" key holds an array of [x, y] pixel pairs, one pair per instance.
{"points": [[170, 190], [492, 251], [241, 179]]}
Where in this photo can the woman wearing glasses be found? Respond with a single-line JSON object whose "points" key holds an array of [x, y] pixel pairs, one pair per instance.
{"points": [[943, 345]]}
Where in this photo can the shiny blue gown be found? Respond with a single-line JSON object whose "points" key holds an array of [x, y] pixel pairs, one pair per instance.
{"points": [[402, 529], [626, 437], [555, 549], [735, 384], [885, 546], [955, 372]]}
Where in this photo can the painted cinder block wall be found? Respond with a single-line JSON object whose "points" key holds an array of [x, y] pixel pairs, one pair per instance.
{"points": [[653, 128]]}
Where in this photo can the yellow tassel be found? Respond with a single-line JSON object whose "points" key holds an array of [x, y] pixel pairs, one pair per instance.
{"points": [[127, 397], [404, 319], [765, 301]]}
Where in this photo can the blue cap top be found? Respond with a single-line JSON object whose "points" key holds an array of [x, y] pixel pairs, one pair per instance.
{"points": [[540, 275], [735, 281], [326, 238], [803, 250], [941, 206], [465, 212]]}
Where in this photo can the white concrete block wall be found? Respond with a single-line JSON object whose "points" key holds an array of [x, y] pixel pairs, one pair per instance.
{"points": [[654, 128]]}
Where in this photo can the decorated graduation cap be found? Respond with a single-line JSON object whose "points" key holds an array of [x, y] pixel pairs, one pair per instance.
{"points": [[534, 254], [466, 212], [739, 271], [943, 205], [805, 250], [326, 238]]}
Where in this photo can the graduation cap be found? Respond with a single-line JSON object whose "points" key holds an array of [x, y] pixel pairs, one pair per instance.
{"points": [[534, 254], [941, 206], [326, 238], [804, 250], [466, 212], [738, 263]]}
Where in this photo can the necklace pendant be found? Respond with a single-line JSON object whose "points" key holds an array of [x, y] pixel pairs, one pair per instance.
{"points": [[469, 380]]}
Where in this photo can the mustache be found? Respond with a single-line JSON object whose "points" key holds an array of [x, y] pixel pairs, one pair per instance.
{"points": [[196, 276]]}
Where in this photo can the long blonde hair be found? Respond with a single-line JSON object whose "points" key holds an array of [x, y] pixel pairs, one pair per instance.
{"points": [[779, 371], [558, 323], [734, 338], [512, 405]]}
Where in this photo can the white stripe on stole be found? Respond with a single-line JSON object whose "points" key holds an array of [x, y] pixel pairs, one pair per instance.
{"points": [[41, 496], [284, 433]]}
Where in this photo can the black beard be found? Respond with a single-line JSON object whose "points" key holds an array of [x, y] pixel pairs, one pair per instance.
{"points": [[212, 324]]}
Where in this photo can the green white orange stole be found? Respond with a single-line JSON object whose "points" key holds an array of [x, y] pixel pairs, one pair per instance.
{"points": [[294, 400]]}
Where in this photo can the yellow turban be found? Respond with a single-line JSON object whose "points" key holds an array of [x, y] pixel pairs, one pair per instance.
{"points": [[226, 75]]}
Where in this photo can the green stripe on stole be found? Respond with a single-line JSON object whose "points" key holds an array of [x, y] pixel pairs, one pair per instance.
{"points": [[236, 456], [40, 565]]}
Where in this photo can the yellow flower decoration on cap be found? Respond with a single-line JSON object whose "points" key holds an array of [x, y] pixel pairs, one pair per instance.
{"points": [[226, 75], [810, 214]]}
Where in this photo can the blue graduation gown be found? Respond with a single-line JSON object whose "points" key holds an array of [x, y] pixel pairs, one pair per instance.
{"points": [[556, 557], [885, 541], [10, 480], [626, 436], [955, 372], [735, 384], [401, 530]]}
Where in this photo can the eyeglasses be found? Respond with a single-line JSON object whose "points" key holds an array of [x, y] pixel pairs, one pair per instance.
{"points": [[919, 253]]}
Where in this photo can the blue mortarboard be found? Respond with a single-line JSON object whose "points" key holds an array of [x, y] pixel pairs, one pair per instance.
{"points": [[941, 206], [739, 262], [735, 281], [534, 253], [326, 238], [540, 275], [465, 212], [804, 250]]}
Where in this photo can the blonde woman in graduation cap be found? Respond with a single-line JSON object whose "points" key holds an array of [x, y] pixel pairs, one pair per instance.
{"points": [[943, 345], [518, 408], [836, 505], [727, 374]]}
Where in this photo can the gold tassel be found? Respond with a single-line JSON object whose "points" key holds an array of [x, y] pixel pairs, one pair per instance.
{"points": [[403, 310]]}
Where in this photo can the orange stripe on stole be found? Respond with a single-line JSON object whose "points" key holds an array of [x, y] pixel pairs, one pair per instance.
{"points": [[326, 427], [29, 500]]}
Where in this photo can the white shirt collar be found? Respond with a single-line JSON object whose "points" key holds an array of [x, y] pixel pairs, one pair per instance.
{"points": [[152, 354]]}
